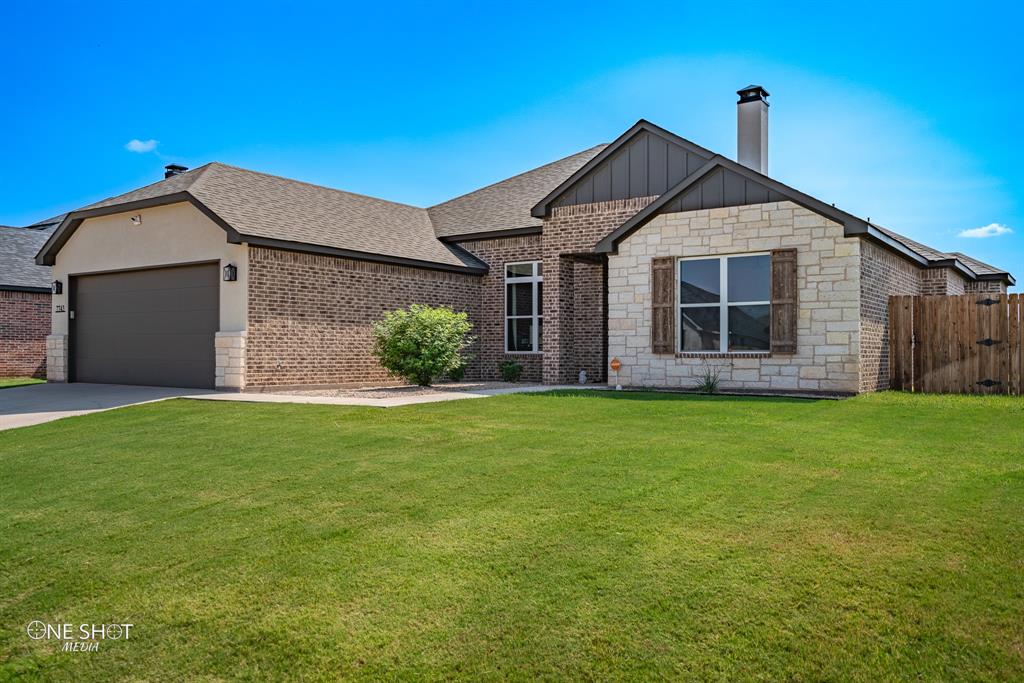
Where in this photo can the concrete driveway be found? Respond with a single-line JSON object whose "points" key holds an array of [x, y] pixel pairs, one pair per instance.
{"points": [[38, 403]]}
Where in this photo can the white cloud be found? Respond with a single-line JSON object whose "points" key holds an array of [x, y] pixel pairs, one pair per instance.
{"points": [[990, 230], [141, 146]]}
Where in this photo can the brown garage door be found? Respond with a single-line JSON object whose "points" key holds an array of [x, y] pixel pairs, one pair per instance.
{"points": [[153, 327]]}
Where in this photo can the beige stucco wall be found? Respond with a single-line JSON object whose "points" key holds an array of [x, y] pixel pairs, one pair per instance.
{"points": [[172, 234], [828, 278], [176, 233]]}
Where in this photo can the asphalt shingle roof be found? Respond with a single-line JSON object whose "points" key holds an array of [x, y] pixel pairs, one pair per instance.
{"points": [[505, 205], [261, 205], [979, 267], [18, 247]]}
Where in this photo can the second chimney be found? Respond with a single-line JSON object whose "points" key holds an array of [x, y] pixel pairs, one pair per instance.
{"points": [[752, 128], [171, 170]]}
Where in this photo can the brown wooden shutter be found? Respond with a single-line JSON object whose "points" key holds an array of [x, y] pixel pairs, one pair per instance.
{"points": [[663, 304], [784, 301]]}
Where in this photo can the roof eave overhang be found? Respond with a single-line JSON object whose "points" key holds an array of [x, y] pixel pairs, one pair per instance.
{"points": [[47, 255], [24, 288], [998, 277], [303, 247], [852, 225], [492, 234]]}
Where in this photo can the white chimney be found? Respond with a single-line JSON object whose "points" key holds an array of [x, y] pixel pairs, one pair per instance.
{"points": [[752, 128]]}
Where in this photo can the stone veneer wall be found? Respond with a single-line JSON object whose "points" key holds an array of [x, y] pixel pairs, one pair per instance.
{"points": [[828, 276], [24, 325], [310, 315], [56, 358], [883, 274], [574, 296], [490, 325]]}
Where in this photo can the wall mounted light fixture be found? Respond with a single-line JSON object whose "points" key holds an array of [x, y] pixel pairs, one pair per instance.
{"points": [[57, 287], [137, 219], [230, 273]]}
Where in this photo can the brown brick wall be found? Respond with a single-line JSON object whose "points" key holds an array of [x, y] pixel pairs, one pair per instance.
{"points": [[980, 286], [883, 274], [574, 296], [24, 324], [310, 315], [941, 282], [490, 349]]}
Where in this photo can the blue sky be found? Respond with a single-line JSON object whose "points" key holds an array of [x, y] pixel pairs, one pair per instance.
{"points": [[903, 113]]}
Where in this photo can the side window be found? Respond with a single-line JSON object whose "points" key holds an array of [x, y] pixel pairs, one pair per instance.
{"points": [[524, 289]]}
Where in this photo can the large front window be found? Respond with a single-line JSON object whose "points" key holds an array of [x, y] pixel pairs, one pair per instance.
{"points": [[724, 304], [524, 288]]}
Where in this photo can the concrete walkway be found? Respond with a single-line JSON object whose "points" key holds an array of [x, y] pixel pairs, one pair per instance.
{"points": [[38, 403]]}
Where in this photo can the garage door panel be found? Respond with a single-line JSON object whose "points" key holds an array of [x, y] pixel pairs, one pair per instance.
{"points": [[164, 300], [161, 373], [156, 347], [148, 322], [153, 327]]}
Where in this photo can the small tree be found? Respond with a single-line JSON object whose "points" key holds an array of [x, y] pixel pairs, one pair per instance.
{"points": [[422, 343]]}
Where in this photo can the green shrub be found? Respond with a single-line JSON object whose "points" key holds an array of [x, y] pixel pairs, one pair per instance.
{"points": [[457, 373], [421, 343], [510, 370]]}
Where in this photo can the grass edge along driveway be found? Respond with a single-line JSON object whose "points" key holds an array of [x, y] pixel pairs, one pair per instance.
{"points": [[572, 535]]}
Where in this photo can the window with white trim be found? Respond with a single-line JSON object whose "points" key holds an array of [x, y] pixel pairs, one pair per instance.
{"points": [[524, 322], [725, 304]]}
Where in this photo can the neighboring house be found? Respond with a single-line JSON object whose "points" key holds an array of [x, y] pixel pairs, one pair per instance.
{"points": [[24, 300], [652, 250]]}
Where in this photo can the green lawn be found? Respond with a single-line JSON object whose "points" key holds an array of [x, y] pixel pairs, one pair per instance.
{"points": [[599, 536], [8, 382]]}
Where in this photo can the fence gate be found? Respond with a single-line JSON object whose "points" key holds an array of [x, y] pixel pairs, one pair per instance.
{"points": [[969, 344]]}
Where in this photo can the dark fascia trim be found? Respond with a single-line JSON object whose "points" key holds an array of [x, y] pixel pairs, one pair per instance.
{"points": [[493, 234], [998, 277], [24, 288], [48, 253], [956, 264], [286, 245], [852, 225], [543, 206], [610, 242]]}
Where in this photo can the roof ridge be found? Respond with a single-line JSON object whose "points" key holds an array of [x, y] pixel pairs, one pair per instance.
{"points": [[198, 171], [527, 172], [316, 185]]}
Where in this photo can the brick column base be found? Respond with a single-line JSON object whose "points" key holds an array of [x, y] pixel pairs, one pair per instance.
{"points": [[57, 358], [230, 358]]}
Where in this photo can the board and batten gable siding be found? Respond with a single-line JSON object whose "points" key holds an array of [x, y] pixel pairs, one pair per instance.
{"points": [[827, 308], [646, 165]]}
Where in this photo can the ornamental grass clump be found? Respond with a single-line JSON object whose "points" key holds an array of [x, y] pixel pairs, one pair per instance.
{"points": [[708, 380], [422, 343]]}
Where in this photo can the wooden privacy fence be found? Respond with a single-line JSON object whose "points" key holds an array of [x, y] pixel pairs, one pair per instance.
{"points": [[969, 344]]}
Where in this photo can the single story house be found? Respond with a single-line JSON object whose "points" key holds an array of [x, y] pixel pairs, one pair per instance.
{"points": [[651, 250], [24, 300]]}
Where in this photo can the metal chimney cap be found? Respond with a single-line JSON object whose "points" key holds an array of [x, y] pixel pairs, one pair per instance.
{"points": [[171, 170], [752, 93]]}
